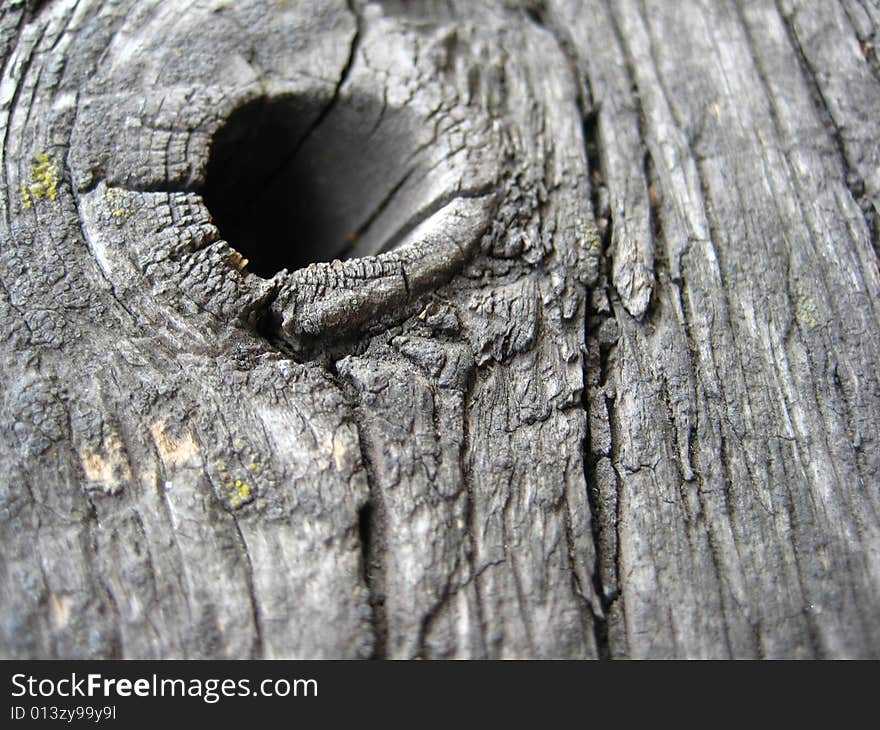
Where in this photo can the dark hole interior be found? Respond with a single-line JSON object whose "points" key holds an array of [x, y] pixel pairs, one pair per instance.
{"points": [[291, 181]]}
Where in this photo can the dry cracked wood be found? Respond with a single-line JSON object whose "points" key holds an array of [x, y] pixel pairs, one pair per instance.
{"points": [[439, 329]]}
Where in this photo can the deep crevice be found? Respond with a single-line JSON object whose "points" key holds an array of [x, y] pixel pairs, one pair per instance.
{"points": [[365, 520], [371, 520], [593, 321]]}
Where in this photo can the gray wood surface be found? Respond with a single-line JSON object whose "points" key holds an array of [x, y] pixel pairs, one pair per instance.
{"points": [[574, 355]]}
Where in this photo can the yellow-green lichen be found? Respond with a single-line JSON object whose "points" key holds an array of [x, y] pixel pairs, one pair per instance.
{"points": [[235, 492], [118, 204], [44, 181], [240, 494], [591, 239], [806, 310], [242, 490]]}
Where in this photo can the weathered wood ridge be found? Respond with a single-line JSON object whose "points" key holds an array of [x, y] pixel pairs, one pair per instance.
{"points": [[577, 354]]}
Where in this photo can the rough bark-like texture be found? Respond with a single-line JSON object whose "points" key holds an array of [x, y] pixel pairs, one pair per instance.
{"points": [[574, 354]]}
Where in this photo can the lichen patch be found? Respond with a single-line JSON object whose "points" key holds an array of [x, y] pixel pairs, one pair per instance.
{"points": [[43, 183]]}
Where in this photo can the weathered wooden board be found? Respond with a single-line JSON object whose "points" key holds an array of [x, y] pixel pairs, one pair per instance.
{"points": [[571, 350]]}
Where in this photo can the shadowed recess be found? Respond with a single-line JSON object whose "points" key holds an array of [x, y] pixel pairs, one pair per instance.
{"points": [[295, 180]]}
